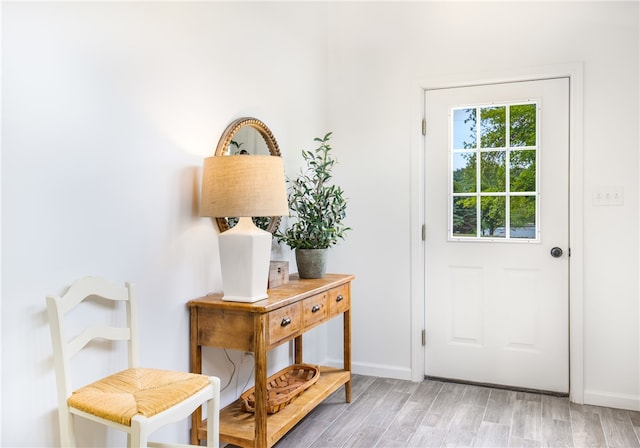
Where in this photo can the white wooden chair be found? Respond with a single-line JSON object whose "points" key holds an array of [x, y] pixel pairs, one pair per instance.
{"points": [[136, 400]]}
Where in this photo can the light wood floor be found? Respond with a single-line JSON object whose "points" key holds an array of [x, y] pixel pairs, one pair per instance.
{"points": [[395, 413]]}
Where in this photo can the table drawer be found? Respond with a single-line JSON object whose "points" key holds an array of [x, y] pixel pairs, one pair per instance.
{"points": [[284, 322], [339, 299], [315, 309]]}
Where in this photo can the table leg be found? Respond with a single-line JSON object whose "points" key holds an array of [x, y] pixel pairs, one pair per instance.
{"points": [[195, 365], [260, 382], [347, 353]]}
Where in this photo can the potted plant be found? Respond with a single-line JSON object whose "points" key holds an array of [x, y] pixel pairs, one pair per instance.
{"points": [[318, 209]]}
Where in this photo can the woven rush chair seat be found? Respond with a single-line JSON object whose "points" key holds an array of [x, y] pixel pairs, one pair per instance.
{"points": [[121, 396], [138, 400]]}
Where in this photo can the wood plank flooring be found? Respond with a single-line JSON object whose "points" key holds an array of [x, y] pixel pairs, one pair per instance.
{"points": [[388, 413]]}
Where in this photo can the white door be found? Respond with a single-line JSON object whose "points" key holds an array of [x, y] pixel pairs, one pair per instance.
{"points": [[497, 232]]}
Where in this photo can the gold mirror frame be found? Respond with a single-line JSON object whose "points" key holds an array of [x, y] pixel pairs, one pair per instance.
{"points": [[272, 145]]}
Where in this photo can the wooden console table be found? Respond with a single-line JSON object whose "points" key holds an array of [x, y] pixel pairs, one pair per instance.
{"points": [[288, 312]]}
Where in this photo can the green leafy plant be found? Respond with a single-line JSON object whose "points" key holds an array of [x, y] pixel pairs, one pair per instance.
{"points": [[317, 206]]}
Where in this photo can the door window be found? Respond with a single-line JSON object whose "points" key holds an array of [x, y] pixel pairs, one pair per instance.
{"points": [[494, 178]]}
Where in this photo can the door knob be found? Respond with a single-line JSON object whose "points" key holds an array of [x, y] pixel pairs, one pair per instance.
{"points": [[556, 252]]}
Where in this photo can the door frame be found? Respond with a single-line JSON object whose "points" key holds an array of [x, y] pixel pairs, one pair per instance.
{"points": [[574, 72]]}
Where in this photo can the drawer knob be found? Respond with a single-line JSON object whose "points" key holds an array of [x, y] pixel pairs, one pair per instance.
{"points": [[315, 308], [286, 321], [339, 298]]}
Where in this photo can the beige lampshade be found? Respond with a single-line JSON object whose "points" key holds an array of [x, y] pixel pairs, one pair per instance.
{"points": [[243, 186]]}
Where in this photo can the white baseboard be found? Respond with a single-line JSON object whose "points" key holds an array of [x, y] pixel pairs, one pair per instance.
{"points": [[612, 400], [370, 369]]}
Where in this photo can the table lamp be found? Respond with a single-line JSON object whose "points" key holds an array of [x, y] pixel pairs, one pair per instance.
{"points": [[244, 186]]}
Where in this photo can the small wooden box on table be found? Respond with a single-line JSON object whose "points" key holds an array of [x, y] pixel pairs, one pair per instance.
{"points": [[286, 314]]}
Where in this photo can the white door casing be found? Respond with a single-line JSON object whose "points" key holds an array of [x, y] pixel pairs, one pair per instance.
{"points": [[498, 311]]}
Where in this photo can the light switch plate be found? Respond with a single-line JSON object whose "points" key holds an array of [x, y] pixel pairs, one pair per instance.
{"points": [[608, 196]]}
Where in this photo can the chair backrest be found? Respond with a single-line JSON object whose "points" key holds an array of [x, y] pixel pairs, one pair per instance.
{"points": [[65, 347]]}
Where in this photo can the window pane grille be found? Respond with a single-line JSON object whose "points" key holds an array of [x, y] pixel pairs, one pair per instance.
{"points": [[492, 171], [492, 127], [465, 223], [494, 178], [523, 217], [493, 216], [464, 172], [522, 171], [464, 128], [522, 127]]}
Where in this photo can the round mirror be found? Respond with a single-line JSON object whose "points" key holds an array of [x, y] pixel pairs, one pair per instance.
{"points": [[248, 136]]}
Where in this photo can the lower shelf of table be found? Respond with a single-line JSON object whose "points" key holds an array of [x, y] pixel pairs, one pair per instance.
{"points": [[238, 427]]}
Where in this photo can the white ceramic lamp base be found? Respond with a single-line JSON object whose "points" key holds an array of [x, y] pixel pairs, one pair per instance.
{"points": [[245, 252]]}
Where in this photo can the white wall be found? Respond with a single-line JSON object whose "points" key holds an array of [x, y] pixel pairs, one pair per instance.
{"points": [[379, 52], [1, 140], [109, 108], [108, 111]]}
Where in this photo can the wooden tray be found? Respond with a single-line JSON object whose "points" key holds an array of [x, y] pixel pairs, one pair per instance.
{"points": [[283, 387]]}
